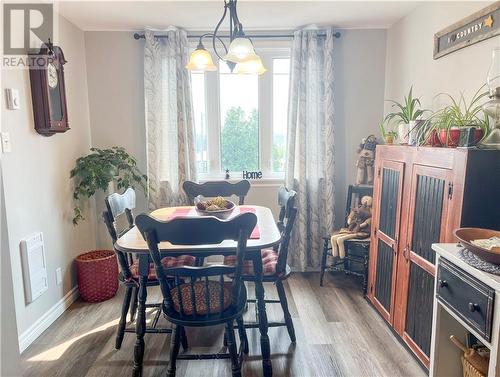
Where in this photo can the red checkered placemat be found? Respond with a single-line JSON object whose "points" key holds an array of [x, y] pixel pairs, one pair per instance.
{"points": [[256, 231]]}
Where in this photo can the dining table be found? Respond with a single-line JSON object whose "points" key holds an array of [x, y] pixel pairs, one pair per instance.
{"points": [[265, 235]]}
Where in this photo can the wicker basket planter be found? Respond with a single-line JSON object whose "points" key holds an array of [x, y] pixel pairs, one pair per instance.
{"points": [[97, 273]]}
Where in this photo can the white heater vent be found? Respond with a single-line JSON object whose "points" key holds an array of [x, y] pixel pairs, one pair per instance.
{"points": [[34, 267]]}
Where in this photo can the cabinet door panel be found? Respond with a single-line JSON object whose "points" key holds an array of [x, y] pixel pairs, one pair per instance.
{"points": [[389, 201], [418, 325], [384, 245], [383, 279], [427, 216], [426, 225]]}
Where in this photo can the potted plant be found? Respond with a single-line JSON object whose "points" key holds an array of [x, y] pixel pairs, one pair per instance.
{"points": [[407, 115], [102, 167], [388, 136], [447, 122]]}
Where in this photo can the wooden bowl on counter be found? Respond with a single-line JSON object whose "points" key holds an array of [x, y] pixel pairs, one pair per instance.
{"points": [[466, 235]]}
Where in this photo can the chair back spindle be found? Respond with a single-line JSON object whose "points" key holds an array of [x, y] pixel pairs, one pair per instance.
{"points": [[197, 231], [286, 220], [118, 205]]}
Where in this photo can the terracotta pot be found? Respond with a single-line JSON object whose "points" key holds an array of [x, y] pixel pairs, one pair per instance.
{"points": [[449, 138], [478, 135], [433, 139], [389, 139]]}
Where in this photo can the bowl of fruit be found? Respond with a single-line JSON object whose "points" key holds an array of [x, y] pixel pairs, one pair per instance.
{"points": [[218, 207]]}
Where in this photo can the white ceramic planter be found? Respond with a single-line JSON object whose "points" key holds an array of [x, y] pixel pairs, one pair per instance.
{"points": [[403, 131]]}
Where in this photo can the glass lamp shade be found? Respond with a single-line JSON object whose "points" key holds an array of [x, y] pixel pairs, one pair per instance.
{"points": [[253, 66], [240, 51], [493, 78], [201, 60], [492, 107]]}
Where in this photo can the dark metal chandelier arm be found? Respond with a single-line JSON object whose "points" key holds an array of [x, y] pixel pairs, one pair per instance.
{"points": [[238, 27], [200, 44], [214, 35]]}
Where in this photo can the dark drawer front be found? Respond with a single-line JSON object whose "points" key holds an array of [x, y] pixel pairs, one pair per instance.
{"points": [[467, 297]]}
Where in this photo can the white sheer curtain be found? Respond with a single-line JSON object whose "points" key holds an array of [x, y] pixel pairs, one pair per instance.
{"points": [[310, 156], [169, 117]]}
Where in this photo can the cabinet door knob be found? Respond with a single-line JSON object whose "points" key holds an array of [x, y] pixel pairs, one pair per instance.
{"points": [[443, 283], [473, 307]]}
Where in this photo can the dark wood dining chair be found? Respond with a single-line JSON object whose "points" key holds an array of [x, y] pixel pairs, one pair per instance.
{"points": [[274, 266], [217, 188], [356, 250], [200, 296], [117, 206]]}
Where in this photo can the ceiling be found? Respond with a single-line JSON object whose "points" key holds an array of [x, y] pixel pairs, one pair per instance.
{"points": [[254, 14]]}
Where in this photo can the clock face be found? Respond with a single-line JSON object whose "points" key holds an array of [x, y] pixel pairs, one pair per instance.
{"points": [[52, 75]]}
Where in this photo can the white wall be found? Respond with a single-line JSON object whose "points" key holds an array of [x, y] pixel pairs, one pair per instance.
{"points": [[38, 191], [115, 82], [409, 55]]}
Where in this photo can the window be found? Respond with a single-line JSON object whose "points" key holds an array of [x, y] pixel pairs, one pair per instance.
{"points": [[241, 120]]}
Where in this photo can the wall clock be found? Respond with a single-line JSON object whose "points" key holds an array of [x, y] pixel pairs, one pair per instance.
{"points": [[48, 91]]}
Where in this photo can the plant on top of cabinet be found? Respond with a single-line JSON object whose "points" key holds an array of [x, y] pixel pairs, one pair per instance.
{"points": [[460, 116], [98, 169], [408, 115], [389, 136]]}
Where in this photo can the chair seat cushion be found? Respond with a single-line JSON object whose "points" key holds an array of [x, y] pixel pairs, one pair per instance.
{"points": [[269, 262], [167, 262], [200, 294]]}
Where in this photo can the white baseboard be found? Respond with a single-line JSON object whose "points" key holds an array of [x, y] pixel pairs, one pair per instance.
{"points": [[37, 328]]}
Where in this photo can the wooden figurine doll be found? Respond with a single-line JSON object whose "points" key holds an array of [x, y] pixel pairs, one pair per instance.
{"points": [[366, 161], [358, 226]]}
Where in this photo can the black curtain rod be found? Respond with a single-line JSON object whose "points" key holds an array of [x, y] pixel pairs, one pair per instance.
{"points": [[256, 36]]}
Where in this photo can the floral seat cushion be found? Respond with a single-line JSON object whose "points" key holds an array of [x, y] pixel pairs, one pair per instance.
{"points": [[167, 262], [269, 262], [200, 297]]}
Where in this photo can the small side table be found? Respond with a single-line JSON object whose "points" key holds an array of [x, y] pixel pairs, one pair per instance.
{"points": [[356, 254], [467, 300]]}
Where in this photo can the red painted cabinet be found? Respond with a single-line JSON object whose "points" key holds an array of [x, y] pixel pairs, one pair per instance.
{"points": [[420, 196]]}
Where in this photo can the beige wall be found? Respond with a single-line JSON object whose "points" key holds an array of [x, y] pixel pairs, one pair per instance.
{"points": [[9, 353], [116, 100], [410, 62], [359, 65], [38, 192]]}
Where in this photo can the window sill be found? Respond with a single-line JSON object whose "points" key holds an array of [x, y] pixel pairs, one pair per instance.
{"points": [[263, 182]]}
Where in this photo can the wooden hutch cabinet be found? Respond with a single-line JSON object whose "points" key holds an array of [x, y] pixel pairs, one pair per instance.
{"points": [[420, 196]]}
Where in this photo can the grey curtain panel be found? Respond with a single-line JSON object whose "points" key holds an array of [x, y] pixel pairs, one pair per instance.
{"points": [[169, 117], [310, 156]]}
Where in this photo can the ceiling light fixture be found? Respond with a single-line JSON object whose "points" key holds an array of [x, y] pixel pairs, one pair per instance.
{"points": [[240, 56]]}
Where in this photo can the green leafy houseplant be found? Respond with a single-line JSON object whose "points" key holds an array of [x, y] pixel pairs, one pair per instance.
{"points": [[459, 113], [389, 136], [98, 169], [406, 114]]}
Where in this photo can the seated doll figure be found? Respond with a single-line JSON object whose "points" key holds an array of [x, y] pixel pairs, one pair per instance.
{"points": [[358, 226]]}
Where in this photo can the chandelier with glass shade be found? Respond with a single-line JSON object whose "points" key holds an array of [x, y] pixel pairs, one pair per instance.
{"points": [[492, 107], [240, 56]]}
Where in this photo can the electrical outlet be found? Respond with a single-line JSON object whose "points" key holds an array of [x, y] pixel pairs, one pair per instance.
{"points": [[6, 144], [58, 276], [13, 101]]}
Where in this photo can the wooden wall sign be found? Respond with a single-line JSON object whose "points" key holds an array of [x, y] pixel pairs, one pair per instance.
{"points": [[477, 27]]}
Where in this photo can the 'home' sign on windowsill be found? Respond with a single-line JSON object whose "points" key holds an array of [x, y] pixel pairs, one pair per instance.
{"points": [[252, 174]]}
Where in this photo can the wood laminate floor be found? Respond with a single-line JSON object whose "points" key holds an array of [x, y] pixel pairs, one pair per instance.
{"points": [[338, 334]]}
